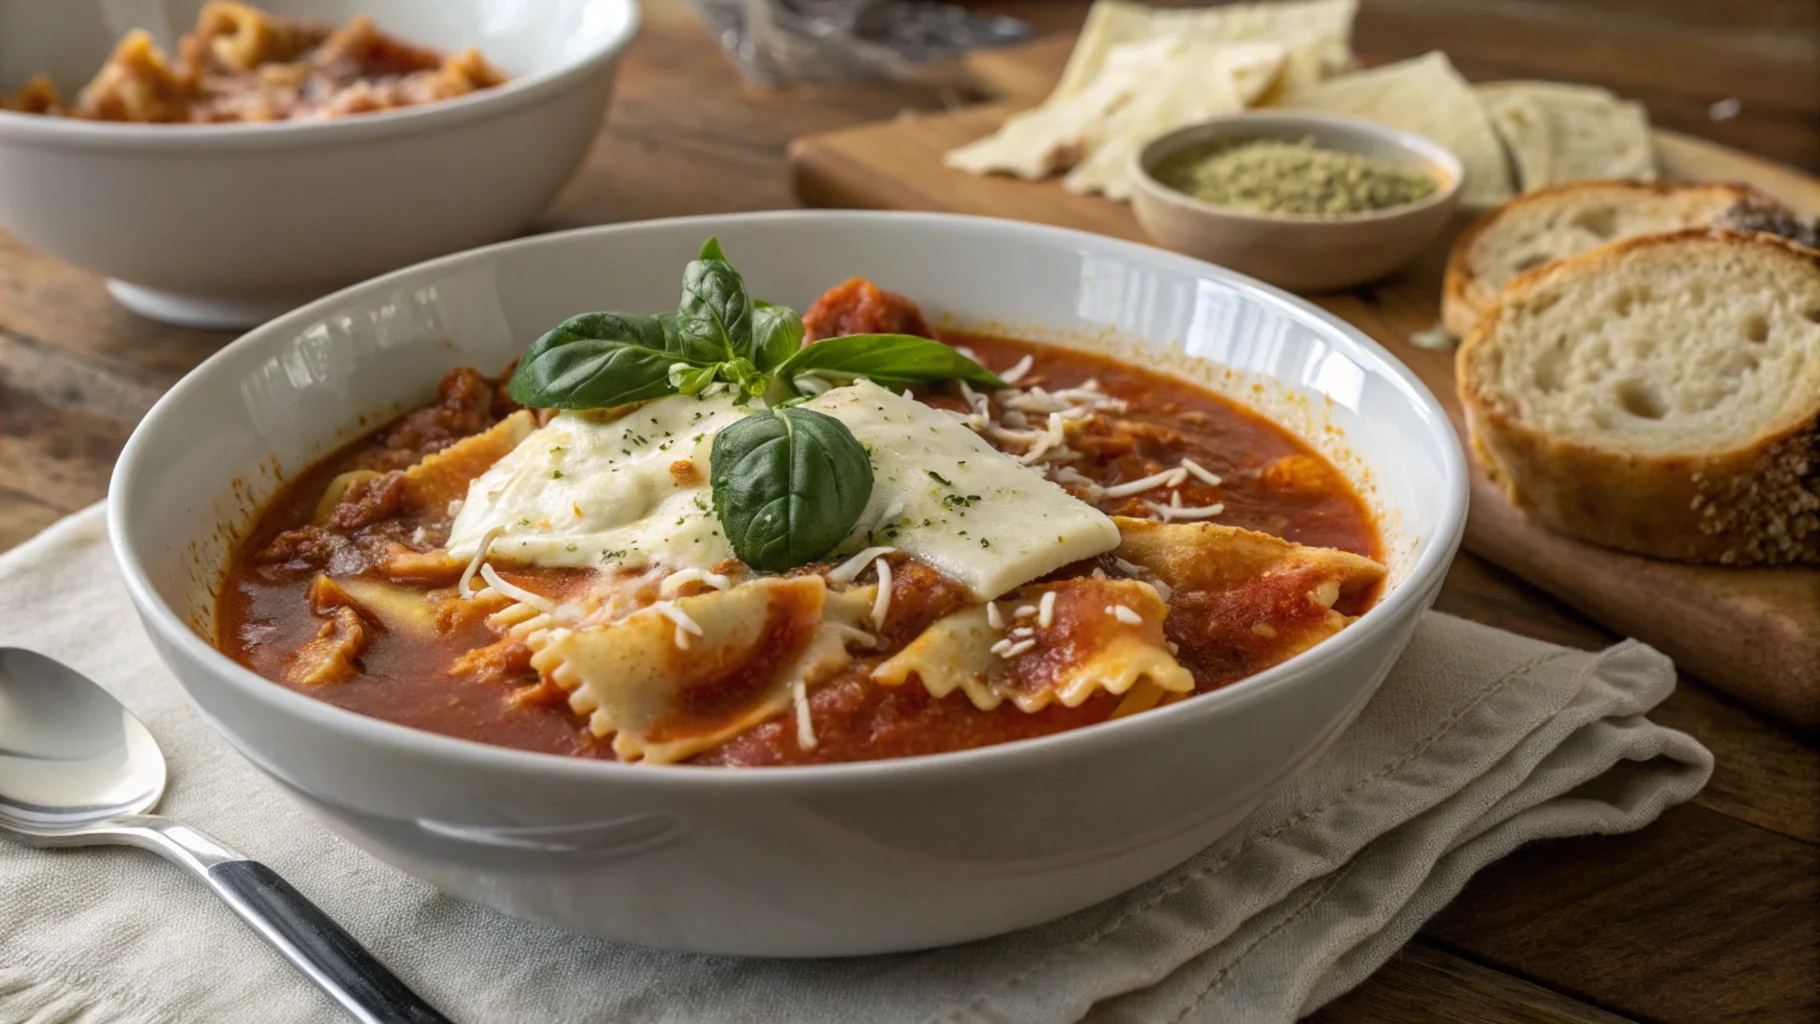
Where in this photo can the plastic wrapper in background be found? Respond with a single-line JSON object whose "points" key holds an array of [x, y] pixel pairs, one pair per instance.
{"points": [[785, 42]]}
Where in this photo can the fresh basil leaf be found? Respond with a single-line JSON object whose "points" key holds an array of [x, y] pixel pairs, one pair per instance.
{"points": [[673, 341], [710, 250], [777, 333], [889, 360], [595, 361], [715, 317], [691, 380], [789, 485]]}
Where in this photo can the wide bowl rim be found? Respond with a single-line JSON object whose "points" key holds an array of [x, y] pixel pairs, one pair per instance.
{"points": [[1424, 149], [185, 139], [1424, 576]]}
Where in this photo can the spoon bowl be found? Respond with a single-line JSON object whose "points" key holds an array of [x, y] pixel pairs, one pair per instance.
{"points": [[70, 755], [77, 769]]}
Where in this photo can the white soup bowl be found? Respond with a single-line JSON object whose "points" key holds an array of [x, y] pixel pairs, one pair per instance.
{"points": [[799, 861]]}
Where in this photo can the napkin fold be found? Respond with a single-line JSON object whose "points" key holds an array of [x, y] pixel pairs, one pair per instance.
{"points": [[1478, 742]]}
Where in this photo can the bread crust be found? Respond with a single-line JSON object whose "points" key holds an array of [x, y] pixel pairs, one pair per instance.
{"points": [[1755, 505], [1461, 310]]}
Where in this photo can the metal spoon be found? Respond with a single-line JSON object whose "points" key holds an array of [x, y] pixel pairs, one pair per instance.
{"points": [[77, 769]]}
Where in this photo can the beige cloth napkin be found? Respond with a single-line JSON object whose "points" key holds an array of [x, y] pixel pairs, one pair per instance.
{"points": [[1478, 742]]}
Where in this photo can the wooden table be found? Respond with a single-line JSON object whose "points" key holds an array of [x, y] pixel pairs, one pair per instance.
{"points": [[1712, 913]]}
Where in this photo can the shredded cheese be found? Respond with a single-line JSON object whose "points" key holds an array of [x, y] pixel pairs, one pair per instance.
{"points": [[849, 570], [1054, 437], [517, 593], [682, 577], [1045, 610], [1166, 478], [1069, 476], [881, 605], [1024, 611], [1201, 473], [1017, 370], [685, 626], [1016, 649], [1124, 614], [805, 729], [1171, 513], [480, 555], [994, 617]]}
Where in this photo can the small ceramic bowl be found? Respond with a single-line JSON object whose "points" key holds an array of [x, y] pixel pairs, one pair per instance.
{"points": [[1307, 254], [228, 225]]}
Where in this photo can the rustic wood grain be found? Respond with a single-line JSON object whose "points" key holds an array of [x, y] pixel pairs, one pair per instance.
{"points": [[1695, 919], [1405, 988], [1756, 633], [686, 136]]}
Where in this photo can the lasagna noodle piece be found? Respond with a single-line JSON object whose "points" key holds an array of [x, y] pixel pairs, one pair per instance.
{"points": [[329, 657], [236, 38], [438, 478], [1248, 598], [1084, 647], [662, 702], [1316, 34], [1196, 81], [1557, 132], [399, 609], [1144, 88], [136, 84], [441, 477], [38, 97], [1055, 136], [1427, 96]]}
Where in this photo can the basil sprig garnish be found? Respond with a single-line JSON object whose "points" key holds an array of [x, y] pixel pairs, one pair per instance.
{"points": [[788, 485], [888, 360]]}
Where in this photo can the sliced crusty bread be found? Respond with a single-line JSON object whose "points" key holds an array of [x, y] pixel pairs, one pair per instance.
{"points": [[1659, 395], [1566, 220]]}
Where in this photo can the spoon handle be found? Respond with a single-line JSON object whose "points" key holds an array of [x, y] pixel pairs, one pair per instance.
{"points": [[309, 938]]}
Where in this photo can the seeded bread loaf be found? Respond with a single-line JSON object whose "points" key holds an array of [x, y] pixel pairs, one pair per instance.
{"points": [[1660, 395], [1566, 220]]}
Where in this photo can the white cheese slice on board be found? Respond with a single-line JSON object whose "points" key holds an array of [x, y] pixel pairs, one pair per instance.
{"points": [[962, 506], [1198, 80], [1427, 96]]}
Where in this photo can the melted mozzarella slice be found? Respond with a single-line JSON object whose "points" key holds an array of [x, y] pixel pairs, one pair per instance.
{"points": [[958, 504], [588, 490], [634, 491]]}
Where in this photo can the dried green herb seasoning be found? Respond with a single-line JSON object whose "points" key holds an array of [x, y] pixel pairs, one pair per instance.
{"points": [[1292, 179]]}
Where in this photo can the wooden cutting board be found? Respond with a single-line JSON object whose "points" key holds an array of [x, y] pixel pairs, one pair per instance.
{"points": [[1753, 632]]}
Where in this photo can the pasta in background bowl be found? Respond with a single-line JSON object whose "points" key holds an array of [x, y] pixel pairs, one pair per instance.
{"points": [[228, 222], [804, 860]]}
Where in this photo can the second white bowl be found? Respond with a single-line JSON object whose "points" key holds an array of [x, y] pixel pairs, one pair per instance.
{"points": [[227, 225]]}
